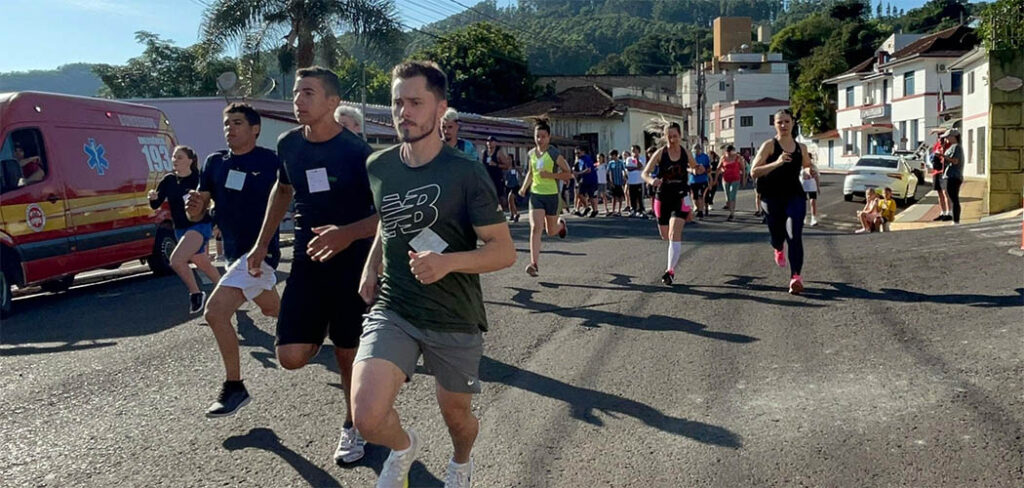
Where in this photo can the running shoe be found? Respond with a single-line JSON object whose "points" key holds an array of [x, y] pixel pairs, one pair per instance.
{"points": [[796, 285], [758, 213], [395, 472], [940, 218], [729, 218], [860, 231], [593, 212], [196, 301], [563, 230], [232, 397], [351, 446], [780, 258], [947, 218], [515, 218], [814, 221], [531, 269], [459, 475], [668, 277]]}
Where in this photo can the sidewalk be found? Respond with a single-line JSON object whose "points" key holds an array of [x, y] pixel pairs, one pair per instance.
{"points": [[921, 215]]}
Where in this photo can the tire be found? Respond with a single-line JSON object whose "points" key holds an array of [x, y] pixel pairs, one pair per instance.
{"points": [[160, 260], [58, 285], [848, 198], [5, 296]]}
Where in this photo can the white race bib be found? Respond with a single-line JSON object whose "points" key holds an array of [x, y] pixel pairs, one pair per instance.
{"points": [[428, 240], [236, 179], [317, 180]]}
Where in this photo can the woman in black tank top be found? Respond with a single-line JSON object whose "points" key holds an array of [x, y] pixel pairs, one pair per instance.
{"points": [[777, 170], [671, 202]]}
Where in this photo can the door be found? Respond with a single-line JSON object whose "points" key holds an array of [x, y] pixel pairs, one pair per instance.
{"points": [[33, 204]]}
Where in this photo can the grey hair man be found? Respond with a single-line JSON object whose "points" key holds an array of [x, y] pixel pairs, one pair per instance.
{"points": [[350, 118]]}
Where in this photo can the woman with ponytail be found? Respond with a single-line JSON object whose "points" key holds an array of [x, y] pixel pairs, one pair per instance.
{"points": [[672, 202]]}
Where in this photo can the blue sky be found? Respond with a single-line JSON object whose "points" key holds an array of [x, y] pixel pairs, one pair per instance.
{"points": [[44, 34]]}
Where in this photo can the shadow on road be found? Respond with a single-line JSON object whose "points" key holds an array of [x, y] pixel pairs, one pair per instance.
{"points": [[584, 401], [264, 350], [848, 291], [29, 350], [596, 318], [266, 439]]}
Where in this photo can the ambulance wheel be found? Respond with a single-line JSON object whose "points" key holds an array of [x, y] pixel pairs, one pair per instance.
{"points": [[5, 296], [58, 285], [160, 261]]}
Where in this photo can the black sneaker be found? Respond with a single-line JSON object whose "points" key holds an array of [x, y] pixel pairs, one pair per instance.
{"points": [[667, 278], [232, 397], [947, 218], [196, 301]]}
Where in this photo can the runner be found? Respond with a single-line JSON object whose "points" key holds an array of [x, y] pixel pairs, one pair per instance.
{"points": [[512, 179], [616, 181], [586, 175], [192, 236], [714, 180], [547, 167], [777, 168], [733, 170], [811, 183], [450, 132], [433, 208], [699, 179], [672, 203], [238, 181], [496, 162], [325, 171]]}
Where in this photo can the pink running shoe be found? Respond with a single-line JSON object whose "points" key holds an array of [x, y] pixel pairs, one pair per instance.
{"points": [[780, 258], [796, 285]]}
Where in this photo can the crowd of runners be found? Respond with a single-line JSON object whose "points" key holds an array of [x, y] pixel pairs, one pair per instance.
{"points": [[389, 245]]}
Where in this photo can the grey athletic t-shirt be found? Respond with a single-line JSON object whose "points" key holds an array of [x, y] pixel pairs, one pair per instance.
{"points": [[448, 197]]}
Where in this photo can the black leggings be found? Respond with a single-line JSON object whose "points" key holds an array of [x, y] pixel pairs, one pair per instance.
{"points": [[786, 224], [636, 197], [953, 189]]}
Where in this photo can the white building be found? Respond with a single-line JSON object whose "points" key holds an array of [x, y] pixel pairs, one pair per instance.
{"points": [[744, 124], [893, 99], [973, 67]]}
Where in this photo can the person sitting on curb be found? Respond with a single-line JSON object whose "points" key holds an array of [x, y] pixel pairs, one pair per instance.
{"points": [[869, 217], [886, 210]]}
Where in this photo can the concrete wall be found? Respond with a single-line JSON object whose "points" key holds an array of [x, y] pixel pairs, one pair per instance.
{"points": [[1006, 119]]}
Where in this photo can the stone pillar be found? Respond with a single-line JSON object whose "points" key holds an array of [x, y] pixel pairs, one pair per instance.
{"points": [[1006, 123]]}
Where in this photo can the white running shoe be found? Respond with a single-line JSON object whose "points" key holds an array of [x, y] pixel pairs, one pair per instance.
{"points": [[395, 472], [814, 221], [459, 475], [351, 446]]}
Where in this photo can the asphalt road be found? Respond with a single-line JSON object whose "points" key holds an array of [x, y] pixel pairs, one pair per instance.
{"points": [[900, 365]]}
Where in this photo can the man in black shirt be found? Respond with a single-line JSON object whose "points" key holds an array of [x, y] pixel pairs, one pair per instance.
{"points": [[238, 181], [325, 171]]}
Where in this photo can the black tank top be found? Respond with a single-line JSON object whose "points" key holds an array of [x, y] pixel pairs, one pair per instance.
{"points": [[784, 181], [673, 174]]}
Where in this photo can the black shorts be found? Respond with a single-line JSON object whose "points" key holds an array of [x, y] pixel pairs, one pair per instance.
{"points": [[812, 195], [320, 300], [588, 190], [618, 191], [698, 189], [670, 205], [499, 186]]}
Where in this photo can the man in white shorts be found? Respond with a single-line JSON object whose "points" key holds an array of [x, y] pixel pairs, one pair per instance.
{"points": [[238, 181]]}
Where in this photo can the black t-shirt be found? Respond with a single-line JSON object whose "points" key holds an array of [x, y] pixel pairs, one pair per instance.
{"points": [[493, 170], [673, 174], [341, 194], [173, 189], [240, 187], [784, 181]]}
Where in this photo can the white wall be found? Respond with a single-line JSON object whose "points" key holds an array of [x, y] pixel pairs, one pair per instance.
{"points": [[755, 86], [758, 133], [975, 117], [611, 133]]}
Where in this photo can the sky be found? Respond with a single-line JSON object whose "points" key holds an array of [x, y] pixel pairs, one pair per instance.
{"points": [[45, 34]]}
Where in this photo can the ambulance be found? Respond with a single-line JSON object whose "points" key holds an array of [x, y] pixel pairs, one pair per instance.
{"points": [[74, 173]]}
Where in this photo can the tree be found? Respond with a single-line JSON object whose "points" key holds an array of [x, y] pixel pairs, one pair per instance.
{"points": [[378, 81], [163, 70], [486, 67], [303, 24]]}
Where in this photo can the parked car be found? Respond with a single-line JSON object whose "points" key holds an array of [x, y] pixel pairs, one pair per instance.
{"points": [[74, 172], [916, 161], [878, 172]]}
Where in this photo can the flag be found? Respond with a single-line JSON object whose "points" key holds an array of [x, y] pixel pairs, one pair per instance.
{"points": [[940, 103]]}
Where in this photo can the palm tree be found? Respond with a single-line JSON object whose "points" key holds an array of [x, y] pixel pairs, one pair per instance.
{"points": [[304, 25]]}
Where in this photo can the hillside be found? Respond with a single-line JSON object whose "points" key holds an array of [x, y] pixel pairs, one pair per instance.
{"points": [[72, 79]]}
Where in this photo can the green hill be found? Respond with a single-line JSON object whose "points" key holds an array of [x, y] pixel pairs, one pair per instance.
{"points": [[72, 79]]}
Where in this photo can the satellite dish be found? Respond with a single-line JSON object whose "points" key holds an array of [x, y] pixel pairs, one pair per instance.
{"points": [[227, 83], [264, 88]]}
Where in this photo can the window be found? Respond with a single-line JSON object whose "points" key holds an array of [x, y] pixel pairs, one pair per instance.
{"points": [[970, 146], [980, 157], [771, 120], [849, 96], [970, 83], [747, 121], [848, 143], [914, 141], [908, 83], [903, 135], [956, 81], [885, 91], [23, 159], [721, 86], [725, 123]]}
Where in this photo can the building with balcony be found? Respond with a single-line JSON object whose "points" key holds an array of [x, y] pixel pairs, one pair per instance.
{"points": [[744, 124], [895, 99]]}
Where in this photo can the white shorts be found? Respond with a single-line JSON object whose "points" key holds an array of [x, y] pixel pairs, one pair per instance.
{"points": [[237, 276]]}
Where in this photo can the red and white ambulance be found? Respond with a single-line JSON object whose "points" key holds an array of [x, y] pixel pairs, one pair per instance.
{"points": [[74, 172]]}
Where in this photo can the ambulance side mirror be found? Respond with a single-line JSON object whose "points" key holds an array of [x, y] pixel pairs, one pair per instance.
{"points": [[11, 175]]}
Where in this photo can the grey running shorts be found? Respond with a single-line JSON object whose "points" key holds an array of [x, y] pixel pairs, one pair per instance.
{"points": [[452, 357]]}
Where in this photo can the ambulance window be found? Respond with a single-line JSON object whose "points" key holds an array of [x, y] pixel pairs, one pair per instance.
{"points": [[23, 159]]}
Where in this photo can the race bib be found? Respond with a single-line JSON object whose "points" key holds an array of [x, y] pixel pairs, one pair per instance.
{"points": [[236, 179], [428, 240], [687, 201], [317, 180], [540, 165]]}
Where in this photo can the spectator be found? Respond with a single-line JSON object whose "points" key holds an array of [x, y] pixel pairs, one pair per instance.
{"points": [[635, 183], [350, 118], [31, 164], [953, 169], [937, 182], [699, 179], [616, 181], [811, 183], [886, 210], [601, 168], [869, 216]]}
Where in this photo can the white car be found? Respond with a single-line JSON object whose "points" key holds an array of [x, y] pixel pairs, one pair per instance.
{"points": [[877, 172]]}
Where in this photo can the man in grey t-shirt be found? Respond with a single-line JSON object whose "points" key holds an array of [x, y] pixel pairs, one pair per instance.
{"points": [[434, 205]]}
